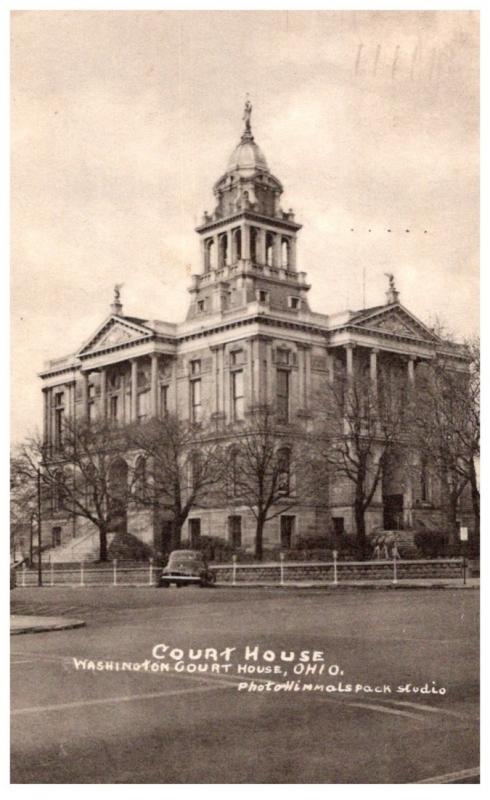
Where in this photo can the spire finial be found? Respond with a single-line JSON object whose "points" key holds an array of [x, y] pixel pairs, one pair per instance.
{"points": [[392, 294], [116, 305], [247, 114]]}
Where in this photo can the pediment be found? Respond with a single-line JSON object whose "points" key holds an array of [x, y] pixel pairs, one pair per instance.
{"points": [[398, 321], [112, 333]]}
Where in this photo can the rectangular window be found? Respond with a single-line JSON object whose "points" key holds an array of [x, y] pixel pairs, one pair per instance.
{"points": [[200, 305], [237, 394], [196, 407], [235, 531], [282, 395], [58, 422], [143, 405], [294, 303], [163, 400], [284, 472]]}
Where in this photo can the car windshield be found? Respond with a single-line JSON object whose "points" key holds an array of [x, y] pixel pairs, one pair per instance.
{"points": [[185, 555]]}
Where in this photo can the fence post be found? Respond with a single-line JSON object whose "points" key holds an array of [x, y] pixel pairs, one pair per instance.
{"points": [[23, 574], [233, 573], [150, 574], [281, 557], [114, 572], [81, 574], [51, 567], [395, 579], [335, 577]]}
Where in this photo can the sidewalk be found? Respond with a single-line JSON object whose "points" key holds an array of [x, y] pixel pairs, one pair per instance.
{"points": [[413, 583], [25, 624]]}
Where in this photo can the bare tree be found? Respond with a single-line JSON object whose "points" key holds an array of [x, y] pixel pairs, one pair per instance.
{"points": [[183, 468], [358, 424], [78, 475], [446, 426], [23, 505], [264, 469]]}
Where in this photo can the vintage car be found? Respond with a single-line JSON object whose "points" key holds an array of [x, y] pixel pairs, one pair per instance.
{"points": [[186, 566]]}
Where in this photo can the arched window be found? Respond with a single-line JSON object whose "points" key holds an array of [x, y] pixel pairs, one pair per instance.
{"points": [[233, 474], [254, 234], [209, 255], [196, 469], [140, 480], [237, 244], [58, 490], [223, 250]]}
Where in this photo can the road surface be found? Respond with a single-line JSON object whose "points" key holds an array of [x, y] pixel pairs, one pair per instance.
{"points": [[87, 725]]}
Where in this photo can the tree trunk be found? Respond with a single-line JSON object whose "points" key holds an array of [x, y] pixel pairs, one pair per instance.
{"points": [[176, 534], [475, 497], [452, 514], [259, 536], [360, 526], [103, 543]]}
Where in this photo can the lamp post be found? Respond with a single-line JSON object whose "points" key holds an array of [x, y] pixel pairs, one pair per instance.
{"points": [[39, 531]]}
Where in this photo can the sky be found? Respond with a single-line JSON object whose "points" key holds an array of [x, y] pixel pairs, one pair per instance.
{"points": [[122, 121]]}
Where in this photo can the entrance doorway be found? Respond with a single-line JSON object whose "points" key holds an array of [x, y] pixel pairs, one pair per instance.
{"points": [[393, 512], [287, 530]]}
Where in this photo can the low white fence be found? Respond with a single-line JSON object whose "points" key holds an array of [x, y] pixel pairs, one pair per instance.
{"points": [[281, 572]]}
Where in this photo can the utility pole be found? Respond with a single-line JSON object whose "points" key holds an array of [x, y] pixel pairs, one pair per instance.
{"points": [[39, 533]]}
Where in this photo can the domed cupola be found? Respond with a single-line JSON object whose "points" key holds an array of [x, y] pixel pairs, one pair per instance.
{"points": [[248, 243]]}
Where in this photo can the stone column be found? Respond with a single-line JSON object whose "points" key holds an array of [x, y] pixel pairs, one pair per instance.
{"points": [[103, 394], [301, 377], [229, 248], [331, 367], [134, 389], [154, 385], [349, 360], [245, 241], [216, 252], [277, 259], [292, 253], [46, 398], [85, 395], [225, 380], [215, 351], [411, 371], [373, 369], [261, 246]]}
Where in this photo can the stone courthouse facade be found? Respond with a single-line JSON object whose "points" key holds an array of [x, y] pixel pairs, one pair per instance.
{"points": [[249, 338]]}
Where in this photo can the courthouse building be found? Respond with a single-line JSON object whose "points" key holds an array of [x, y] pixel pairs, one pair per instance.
{"points": [[249, 338]]}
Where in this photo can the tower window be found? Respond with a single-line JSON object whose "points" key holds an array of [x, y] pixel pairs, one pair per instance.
{"points": [[294, 303], [196, 407], [282, 394], [237, 394], [263, 296], [237, 244], [200, 306], [254, 235]]}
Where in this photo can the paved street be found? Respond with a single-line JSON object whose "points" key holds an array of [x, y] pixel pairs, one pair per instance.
{"points": [[87, 725]]}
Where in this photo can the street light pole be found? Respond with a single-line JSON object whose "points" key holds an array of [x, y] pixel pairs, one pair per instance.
{"points": [[39, 532]]}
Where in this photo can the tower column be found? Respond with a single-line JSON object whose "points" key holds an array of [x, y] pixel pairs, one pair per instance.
{"points": [[349, 360], [261, 246], [245, 240], [85, 395], [229, 247], [277, 256], [411, 371], [373, 369]]}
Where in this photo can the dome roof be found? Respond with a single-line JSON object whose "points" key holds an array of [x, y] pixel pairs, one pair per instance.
{"points": [[247, 157]]}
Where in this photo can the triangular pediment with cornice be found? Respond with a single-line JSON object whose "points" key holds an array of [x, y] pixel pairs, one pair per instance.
{"points": [[114, 332], [395, 320]]}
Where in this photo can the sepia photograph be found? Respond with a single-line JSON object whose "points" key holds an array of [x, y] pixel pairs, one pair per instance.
{"points": [[245, 397]]}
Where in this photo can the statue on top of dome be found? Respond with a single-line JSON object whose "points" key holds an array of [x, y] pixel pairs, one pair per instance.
{"points": [[247, 114]]}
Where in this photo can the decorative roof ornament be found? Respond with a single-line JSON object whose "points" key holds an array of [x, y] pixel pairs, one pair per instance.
{"points": [[116, 305], [392, 294], [247, 116]]}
